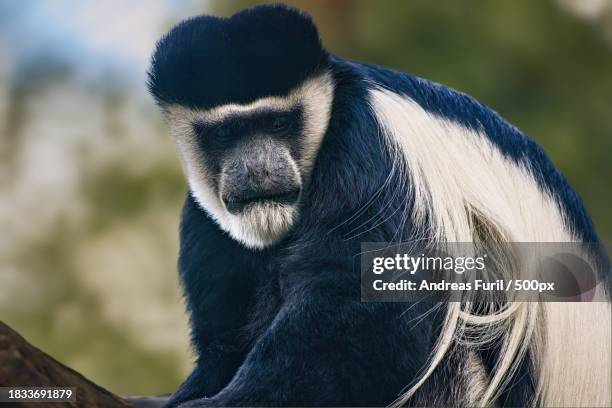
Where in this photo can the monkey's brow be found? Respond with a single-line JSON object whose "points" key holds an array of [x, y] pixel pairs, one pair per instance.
{"points": [[248, 116]]}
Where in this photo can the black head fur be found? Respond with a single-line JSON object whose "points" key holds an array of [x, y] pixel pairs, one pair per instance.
{"points": [[206, 61]]}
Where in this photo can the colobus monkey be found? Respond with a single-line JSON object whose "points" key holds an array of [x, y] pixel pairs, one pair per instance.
{"points": [[293, 158]]}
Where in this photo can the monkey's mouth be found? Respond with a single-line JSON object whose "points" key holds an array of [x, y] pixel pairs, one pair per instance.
{"points": [[239, 203]]}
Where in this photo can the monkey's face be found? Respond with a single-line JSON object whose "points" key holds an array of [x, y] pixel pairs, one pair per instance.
{"points": [[247, 164], [248, 100]]}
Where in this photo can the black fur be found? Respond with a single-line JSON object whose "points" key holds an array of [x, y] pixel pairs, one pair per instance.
{"points": [[207, 61], [294, 309], [285, 326]]}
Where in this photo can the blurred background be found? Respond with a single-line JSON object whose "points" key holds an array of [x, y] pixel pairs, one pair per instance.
{"points": [[90, 188]]}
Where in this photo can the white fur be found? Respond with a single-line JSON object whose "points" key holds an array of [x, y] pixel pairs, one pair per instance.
{"points": [[262, 224], [455, 173]]}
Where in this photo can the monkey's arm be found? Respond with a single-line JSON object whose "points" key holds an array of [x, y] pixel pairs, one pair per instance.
{"points": [[295, 355], [324, 348], [217, 278], [212, 372]]}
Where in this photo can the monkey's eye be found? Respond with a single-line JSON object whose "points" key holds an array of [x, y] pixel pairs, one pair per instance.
{"points": [[221, 133], [279, 123]]}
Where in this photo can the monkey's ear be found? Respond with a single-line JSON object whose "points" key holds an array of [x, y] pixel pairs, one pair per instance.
{"points": [[263, 51]]}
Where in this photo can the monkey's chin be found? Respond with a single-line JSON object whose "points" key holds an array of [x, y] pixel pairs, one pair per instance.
{"points": [[262, 224]]}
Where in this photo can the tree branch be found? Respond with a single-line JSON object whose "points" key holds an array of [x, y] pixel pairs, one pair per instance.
{"points": [[23, 365]]}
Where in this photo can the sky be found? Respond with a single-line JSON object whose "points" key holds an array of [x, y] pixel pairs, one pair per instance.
{"points": [[108, 41]]}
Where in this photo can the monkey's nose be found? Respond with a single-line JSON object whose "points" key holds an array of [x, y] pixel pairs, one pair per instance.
{"points": [[261, 173]]}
